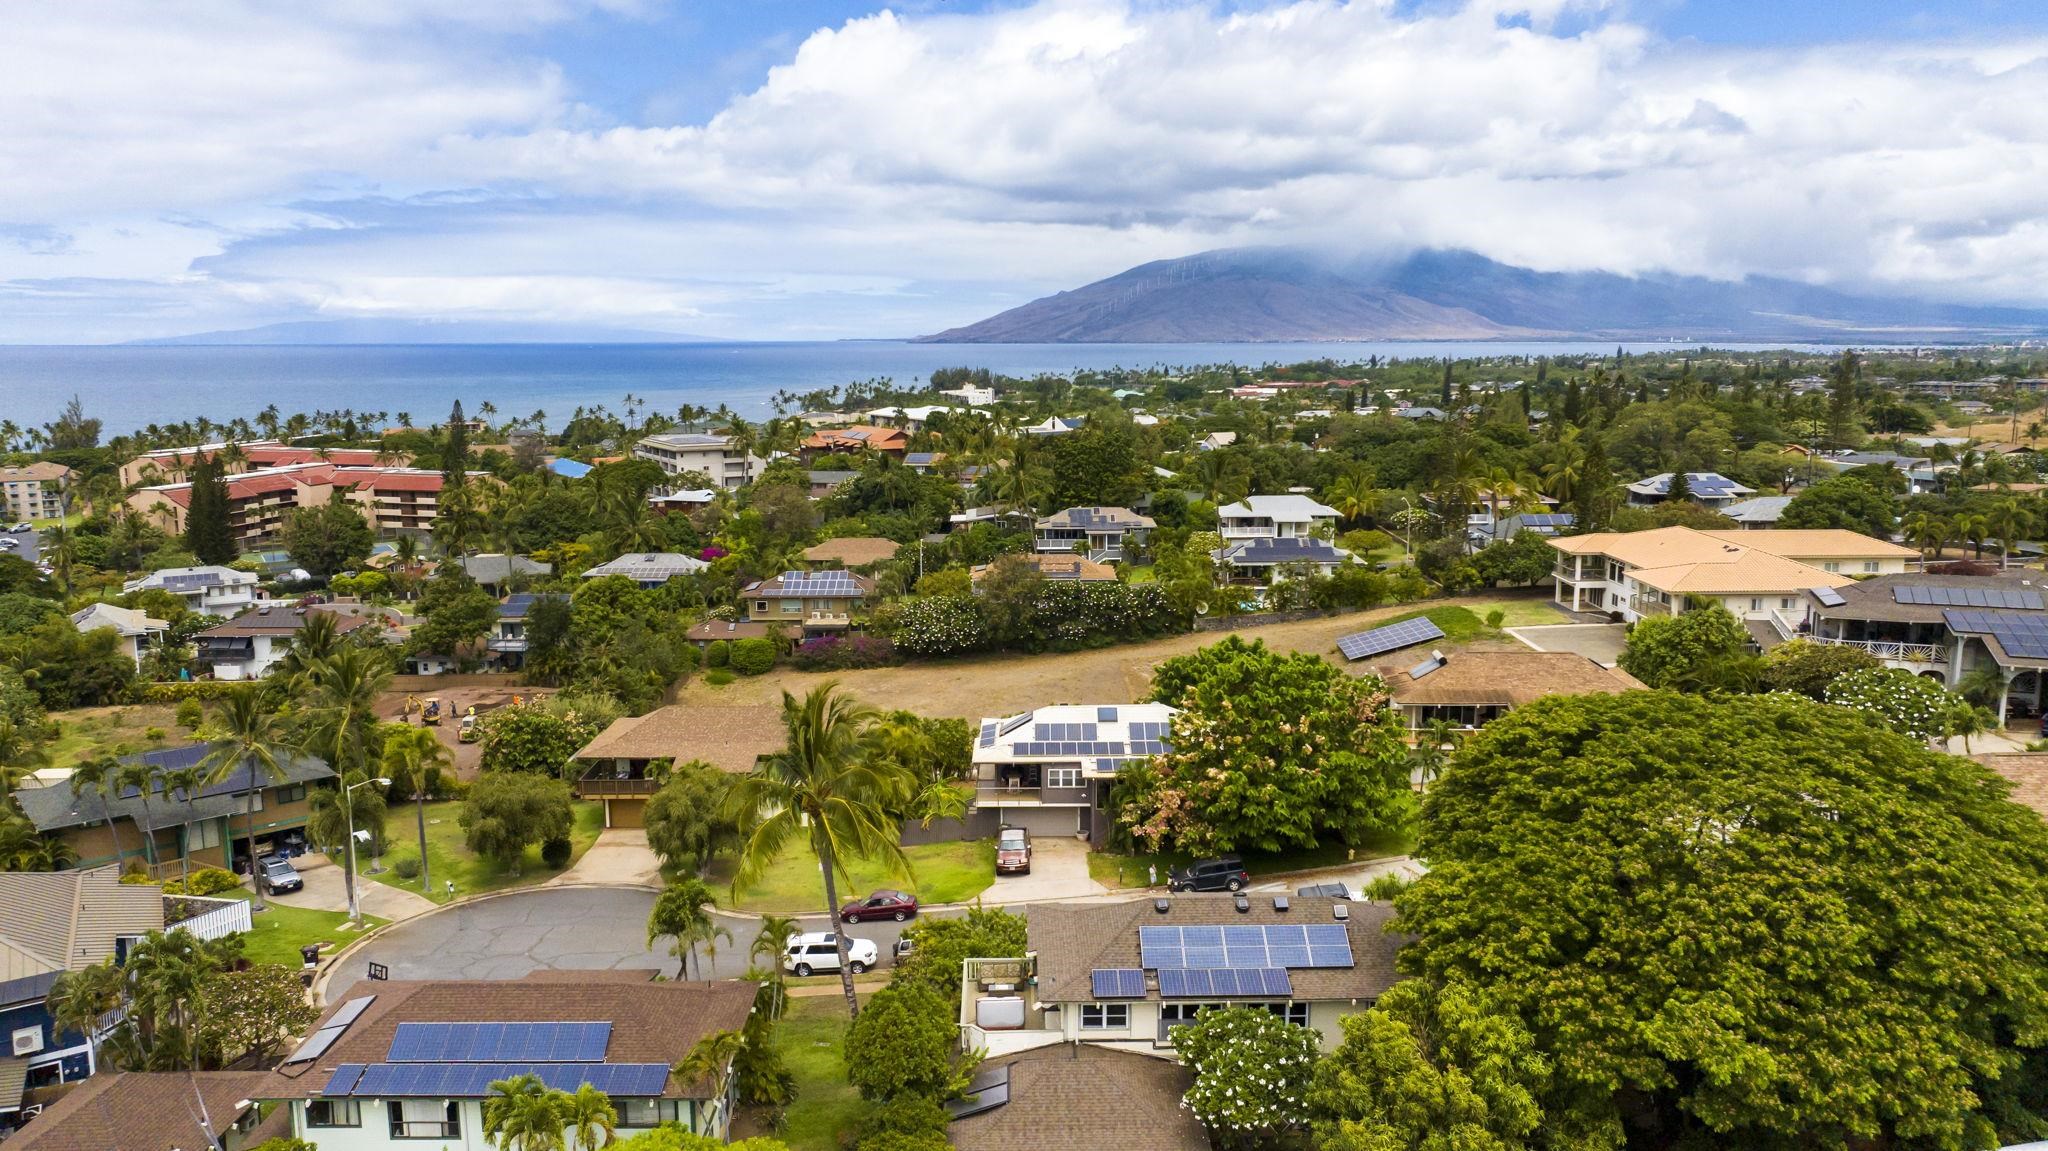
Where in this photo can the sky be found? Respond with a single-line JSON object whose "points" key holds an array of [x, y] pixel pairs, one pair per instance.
{"points": [[821, 169]]}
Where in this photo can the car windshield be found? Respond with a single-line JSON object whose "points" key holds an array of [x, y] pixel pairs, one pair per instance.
{"points": [[1011, 839]]}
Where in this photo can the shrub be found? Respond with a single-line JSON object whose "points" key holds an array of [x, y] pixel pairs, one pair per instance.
{"points": [[718, 653], [205, 881], [207, 689], [407, 868], [836, 653], [941, 625], [555, 853], [753, 656], [191, 713], [153, 734], [718, 677]]}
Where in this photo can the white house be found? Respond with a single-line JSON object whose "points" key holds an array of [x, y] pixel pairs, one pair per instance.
{"points": [[971, 395], [1757, 575], [712, 456], [648, 569], [1050, 770], [1056, 426], [134, 626], [209, 589], [1102, 533], [249, 645], [1274, 517], [1268, 560]]}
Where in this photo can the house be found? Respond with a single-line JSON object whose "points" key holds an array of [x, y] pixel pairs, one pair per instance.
{"points": [[1274, 517], [619, 769], [717, 458], [710, 631], [1123, 975], [687, 499], [648, 569], [852, 551], [174, 830], [1486, 506], [52, 922], [1102, 534], [1473, 688], [1758, 512], [820, 602], [497, 572], [405, 1061], [208, 589], [1056, 426], [858, 438], [134, 627], [34, 491], [823, 483], [1923, 475], [1944, 627], [507, 644], [922, 462], [1050, 565], [1261, 563], [914, 419], [249, 645], [1545, 524], [960, 521], [1215, 441], [1972, 407], [1050, 770], [971, 395], [1424, 413], [1758, 575], [1072, 1095], [154, 1111], [1711, 489]]}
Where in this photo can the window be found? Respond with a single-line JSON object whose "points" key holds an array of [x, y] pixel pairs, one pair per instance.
{"points": [[792, 607], [1105, 1016], [334, 1113], [1831, 566], [205, 833], [1785, 604], [1869, 566], [648, 1112], [1063, 777], [1756, 603], [424, 1119], [291, 794], [1295, 1013]]}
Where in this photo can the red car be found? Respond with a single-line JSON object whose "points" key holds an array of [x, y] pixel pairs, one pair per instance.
{"points": [[1013, 851], [896, 905]]}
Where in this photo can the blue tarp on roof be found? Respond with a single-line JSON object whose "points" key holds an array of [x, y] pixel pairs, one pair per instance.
{"points": [[571, 469]]}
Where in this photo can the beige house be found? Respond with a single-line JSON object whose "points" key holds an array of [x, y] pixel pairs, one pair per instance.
{"points": [[135, 627], [1757, 575], [33, 492], [823, 602]]}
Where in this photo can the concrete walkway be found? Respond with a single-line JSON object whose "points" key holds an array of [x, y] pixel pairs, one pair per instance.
{"points": [[327, 890], [620, 856]]}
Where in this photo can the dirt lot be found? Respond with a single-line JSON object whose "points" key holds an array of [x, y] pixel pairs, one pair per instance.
{"points": [[1004, 685], [454, 701]]}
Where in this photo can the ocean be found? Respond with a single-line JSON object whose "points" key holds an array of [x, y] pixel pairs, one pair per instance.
{"points": [[130, 387]]}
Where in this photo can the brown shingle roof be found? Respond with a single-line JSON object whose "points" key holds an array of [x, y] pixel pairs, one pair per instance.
{"points": [[651, 1022], [1072, 939], [1501, 678], [1086, 1095], [853, 551], [728, 738], [280, 620], [1053, 566], [1872, 599], [2028, 774], [139, 1111]]}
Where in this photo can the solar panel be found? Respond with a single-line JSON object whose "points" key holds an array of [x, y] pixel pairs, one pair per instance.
{"points": [[1990, 597], [499, 1042], [1243, 947], [1105, 715], [985, 1092], [1118, 983], [1829, 597], [350, 1011], [988, 734], [473, 1080], [2022, 636], [316, 1045], [1407, 633], [1223, 982], [1329, 945], [343, 1081]]}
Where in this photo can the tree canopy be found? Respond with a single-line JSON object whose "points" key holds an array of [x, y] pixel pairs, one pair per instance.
{"points": [[1683, 650]]}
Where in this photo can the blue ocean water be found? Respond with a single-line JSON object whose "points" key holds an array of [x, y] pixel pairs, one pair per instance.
{"points": [[131, 387]]}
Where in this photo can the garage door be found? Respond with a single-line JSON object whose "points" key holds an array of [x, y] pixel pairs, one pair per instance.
{"points": [[1043, 820], [625, 812]]}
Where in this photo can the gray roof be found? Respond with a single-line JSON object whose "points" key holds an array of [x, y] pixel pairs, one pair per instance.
{"points": [[1872, 599], [495, 568], [56, 806], [1761, 510], [70, 919], [649, 566], [1285, 508], [1097, 519], [1268, 551]]}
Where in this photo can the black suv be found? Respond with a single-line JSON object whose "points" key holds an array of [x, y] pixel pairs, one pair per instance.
{"points": [[1225, 874]]}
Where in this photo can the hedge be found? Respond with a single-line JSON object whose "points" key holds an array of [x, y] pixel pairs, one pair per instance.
{"points": [[180, 690], [753, 656]]}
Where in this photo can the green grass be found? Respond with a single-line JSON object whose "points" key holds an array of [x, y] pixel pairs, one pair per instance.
{"points": [[86, 732], [277, 932], [812, 1038], [449, 858], [1465, 624], [940, 873], [1113, 870]]}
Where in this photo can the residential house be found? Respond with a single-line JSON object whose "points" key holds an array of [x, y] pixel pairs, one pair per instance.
{"points": [[1261, 563], [1274, 517], [34, 491], [858, 438], [1009, 517], [852, 551], [688, 499], [971, 395], [399, 1062], [1420, 413], [249, 645], [715, 457], [208, 589], [707, 632], [1102, 534], [50, 923], [154, 1111], [1123, 975], [1050, 565], [1545, 524], [507, 644], [1487, 507], [824, 483], [1761, 576], [174, 830], [1056, 426], [620, 761], [134, 627], [1711, 489], [1473, 688], [913, 419], [1923, 475], [1759, 512], [1972, 407], [498, 573], [1072, 1095], [1944, 627], [648, 569], [1215, 441], [923, 462], [821, 602], [1050, 770]]}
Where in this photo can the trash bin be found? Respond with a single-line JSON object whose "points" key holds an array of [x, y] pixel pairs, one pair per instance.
{"points": [[310, 953]]}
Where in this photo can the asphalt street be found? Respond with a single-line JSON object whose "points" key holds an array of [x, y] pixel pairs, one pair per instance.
{"points": [[29, 544]]}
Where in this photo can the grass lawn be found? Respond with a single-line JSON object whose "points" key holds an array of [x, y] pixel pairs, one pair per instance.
{"points": [[1130, 870], [940, 873], [277, 932], [449, 858], [812, 1037], [89, 731]]}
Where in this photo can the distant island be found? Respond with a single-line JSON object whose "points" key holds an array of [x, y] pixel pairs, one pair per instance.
{"points": [[1279, 294], [406, 331]]}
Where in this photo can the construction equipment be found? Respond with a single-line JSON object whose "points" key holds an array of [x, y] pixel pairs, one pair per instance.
{"points": [[467, 732], [431, 713]]}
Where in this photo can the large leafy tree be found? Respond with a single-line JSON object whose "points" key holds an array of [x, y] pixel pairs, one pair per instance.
{"points": [[1842, 502], [1269, 751], [1683, 651], [1252, 1071], [1808, 667], [328, 538], [687, 820], [508, 812], [906, 1042], [1758, 921]]}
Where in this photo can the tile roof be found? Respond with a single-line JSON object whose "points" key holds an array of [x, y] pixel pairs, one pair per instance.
{"points": [[39, 470], [853, 551], [1501, 678], [1681, 559], [140, 1111], [1086, 1095], [1052, 566], [859, 437], [1816, 543], [730, 739], [65, 920]]}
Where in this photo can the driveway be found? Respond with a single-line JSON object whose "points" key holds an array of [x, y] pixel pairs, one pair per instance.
{"points": [[327, 890], [1059, 870], [28, 545], [1599, 642], [620, 855]]}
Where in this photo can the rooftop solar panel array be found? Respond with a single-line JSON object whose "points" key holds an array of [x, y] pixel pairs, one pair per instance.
{"points": [[317, 1043], [825, 583], [1070, 747], [473, 1080], [1118, 983], [1064, 731], [1209, 983], [988, 734], [1245, 946], [2022, 636], [1828, 597], [1995, 597], [1393, 637], [499, 1042]]}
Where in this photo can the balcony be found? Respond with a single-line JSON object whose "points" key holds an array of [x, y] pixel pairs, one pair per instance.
{"points": [[612, 783], [425, 1129], [1022, 795], [1249, 529], [1892, 650], [828, 619]]}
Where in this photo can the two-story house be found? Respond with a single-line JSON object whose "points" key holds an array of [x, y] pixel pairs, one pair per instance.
{"points": [[507, 644], [402, 1062], [208, 589], [1050, 770], [1758, 575], [855, 440], [50, 923], [818, 602], [1273, 517], [620, 768], [1709, 488], [1103, 534], [715, 457], [1261, 563], [134, 627], [1944, 627], [249, 645]]}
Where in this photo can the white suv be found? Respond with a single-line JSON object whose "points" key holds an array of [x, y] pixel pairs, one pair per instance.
{"points": [[816, 951]]}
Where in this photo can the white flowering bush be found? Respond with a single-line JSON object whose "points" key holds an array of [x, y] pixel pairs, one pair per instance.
{"points": [[1898, 699], [940, 625], [1252, 1073]]}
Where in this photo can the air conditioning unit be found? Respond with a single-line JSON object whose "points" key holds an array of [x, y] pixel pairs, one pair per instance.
{"points": [[28, 1041]]}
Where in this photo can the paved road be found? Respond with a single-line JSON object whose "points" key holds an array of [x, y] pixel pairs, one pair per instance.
{"points": [[30, 545]]}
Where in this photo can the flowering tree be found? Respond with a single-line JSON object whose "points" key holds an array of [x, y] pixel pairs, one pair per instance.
{"points": [[1252, 1073], [1898, 699]]}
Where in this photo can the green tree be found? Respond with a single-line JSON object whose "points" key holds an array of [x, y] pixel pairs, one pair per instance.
{"points": [[1807, 667], [67, 668], [683, 914], [337, 811], [250, 748], [328, 538], [455, 451], [1252, 1071], [688, 819], [339, 721], [1526, 558], [524, 1114], [540, 736], [592, 1120], [100, 778], [830, 790], [457, 613], [209, 535], [942, 944], [906, 1042], [507, 812], [1842, 502], [674, 1138], [1674, 651], [1749, 921], [1897, 699], [413, 758]]}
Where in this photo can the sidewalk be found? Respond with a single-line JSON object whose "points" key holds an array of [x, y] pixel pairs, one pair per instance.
{"points": [[327, 890]]}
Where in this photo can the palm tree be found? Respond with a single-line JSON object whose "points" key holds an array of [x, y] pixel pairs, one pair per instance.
{"points": [[341, 707], [1434, 747], [825, 787], [252, 740], [1567, 466], [2008, 520], [101, 776], [411, 756], [524, 1114], [1976, 528], [764, 958], [187, 782], [711, 1059], [142, 777], [79, 999], [1352, 495], [683, 914], [592, 1120]]}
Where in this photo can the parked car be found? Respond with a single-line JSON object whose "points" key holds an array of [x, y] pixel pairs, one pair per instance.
{"points": [[816, 951], [1333, 890], [904, 949], [9, 543], [278, 875], [1225, 874], [1013, 851], [23, 527], [895, 905]]}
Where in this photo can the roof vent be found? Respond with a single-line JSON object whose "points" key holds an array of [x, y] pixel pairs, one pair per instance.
{"points": [[1162, 905], [1280, 903], [1340, 912], [1244, 905]]}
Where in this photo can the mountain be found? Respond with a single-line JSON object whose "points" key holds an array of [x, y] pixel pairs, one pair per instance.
{"points": [[1271, 294], [397, 331]]}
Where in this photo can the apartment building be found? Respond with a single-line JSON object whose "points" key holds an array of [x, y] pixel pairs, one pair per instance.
{"points": [[174, 465], [391, 499], [1757, 575], [34, 491], [713, 456]]}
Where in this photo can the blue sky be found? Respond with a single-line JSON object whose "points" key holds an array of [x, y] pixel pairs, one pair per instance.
{"points": [[816, 169]]}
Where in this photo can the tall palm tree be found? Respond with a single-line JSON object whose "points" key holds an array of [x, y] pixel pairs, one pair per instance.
{"points": [[683, 914], [592, 1120], [341, 705], [524, 1114], [2008, 520], [101, 776], [142, 777], [187, 782], [1976, 528], [828, 789], [410, 757], [1352, 495], [251, 740]]}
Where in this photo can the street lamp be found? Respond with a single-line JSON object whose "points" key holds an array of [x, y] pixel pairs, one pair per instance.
{"points": [[348, 805]]}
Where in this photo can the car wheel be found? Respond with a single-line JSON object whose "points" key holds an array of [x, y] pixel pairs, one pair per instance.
{"points": [[856, 967], [1234, 884], [803, 970], [851, 918], [902, 915]]}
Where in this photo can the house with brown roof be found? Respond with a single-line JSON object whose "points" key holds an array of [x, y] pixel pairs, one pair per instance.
{"points": [[822, 602], [1472, 688], [1052, 566], [852, 551], [1757, 575], [155, 1111], [249, 645], [621, 763], [1945, 626], [707, 632], [858, 438], [1076, 1095], [1103, 534], [397, 1062], [1124, 974]]}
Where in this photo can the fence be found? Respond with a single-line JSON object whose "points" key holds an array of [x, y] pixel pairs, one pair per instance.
{"points": [[1262, 618], [980, 824], [208, 919], [429, 683]]}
